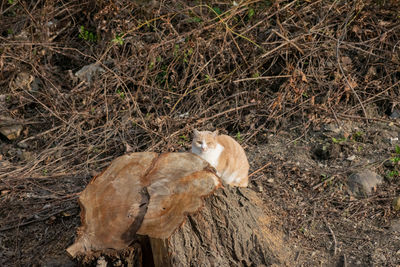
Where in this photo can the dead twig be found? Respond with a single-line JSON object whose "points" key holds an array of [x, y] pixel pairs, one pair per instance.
{"points": [[338, 43], [289, 41], [260, 169], [262, 78], [333, 236], [368, 118], [324, 182]]}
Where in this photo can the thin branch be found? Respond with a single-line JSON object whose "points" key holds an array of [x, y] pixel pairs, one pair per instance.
{"points": [[333, 236]]}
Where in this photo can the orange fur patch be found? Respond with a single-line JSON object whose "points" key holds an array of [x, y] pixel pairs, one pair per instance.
{"points": [[225, 154]]}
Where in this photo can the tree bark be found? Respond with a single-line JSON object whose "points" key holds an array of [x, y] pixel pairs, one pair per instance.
{"points": [[230, 230]]}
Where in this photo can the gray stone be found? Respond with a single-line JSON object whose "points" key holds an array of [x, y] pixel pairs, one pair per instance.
{"points": [[87, 72], [331, 128], [363, 182], [22, 81], [395, 114], [10, 128], [22, 144]]}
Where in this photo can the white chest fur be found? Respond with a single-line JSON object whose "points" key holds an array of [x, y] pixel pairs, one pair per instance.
{"points": [[211, 156]]}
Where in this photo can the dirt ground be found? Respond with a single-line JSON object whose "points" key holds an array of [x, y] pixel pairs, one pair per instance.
{"points": [[309, 88], [323, 223]]}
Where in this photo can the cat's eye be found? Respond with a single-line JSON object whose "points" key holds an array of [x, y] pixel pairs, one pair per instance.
{"points": [[198, 142]]}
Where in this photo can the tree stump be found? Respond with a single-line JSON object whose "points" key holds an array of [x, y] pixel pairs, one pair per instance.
{"points": [[230, 230], [171, 210]]}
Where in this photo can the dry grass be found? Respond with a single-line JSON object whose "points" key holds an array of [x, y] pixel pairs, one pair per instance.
{"points": [[180, 65]]}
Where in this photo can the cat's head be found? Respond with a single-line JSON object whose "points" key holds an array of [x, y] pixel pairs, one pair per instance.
{"points": [[204, 140]]}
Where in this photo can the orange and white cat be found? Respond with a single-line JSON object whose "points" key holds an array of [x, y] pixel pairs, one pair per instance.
{"points": [[224, 154]]}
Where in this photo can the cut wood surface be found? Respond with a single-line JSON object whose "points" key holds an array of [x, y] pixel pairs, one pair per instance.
{"points": [[144, 193]]}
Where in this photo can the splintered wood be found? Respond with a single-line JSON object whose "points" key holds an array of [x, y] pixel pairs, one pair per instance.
{"points": [[141, 193]]}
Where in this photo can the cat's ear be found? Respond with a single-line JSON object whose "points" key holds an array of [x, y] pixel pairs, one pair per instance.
{"points": [[195, 132], [215, 133]]}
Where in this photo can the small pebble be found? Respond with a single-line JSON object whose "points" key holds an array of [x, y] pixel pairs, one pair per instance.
{"points": [[22, 145], [395, 114], [12, 131], [351, 158], [260, 188]]}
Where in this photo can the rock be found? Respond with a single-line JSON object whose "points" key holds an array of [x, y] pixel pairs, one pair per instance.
{"points": [[87, 72], [363, 182], [332, 127], [396, 203], [10, 128], [22, 144], [11, 132], [23, 81], [395, 114], [351, 158]]}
